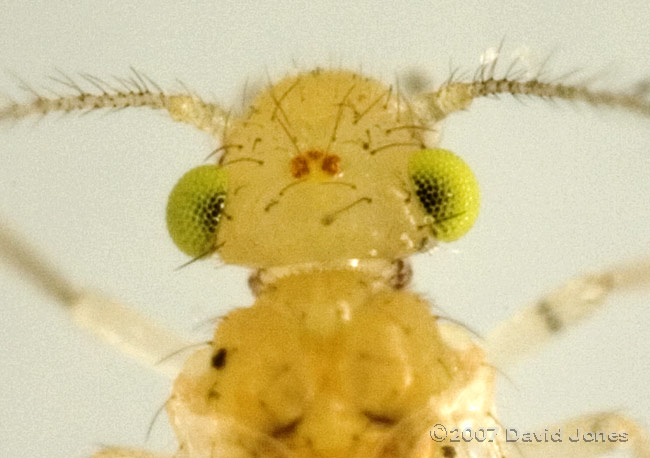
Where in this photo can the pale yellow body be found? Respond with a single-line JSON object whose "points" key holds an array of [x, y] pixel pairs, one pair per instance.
{"points": [[330, 365], [330, 361], [335, 359], [327, 363]]}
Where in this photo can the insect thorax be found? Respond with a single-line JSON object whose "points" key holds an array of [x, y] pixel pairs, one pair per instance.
{"points": [[329, 364], [317, 171]]}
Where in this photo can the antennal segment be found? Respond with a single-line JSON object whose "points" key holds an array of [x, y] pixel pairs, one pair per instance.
{"points": [[456, 96], [182, 107]]}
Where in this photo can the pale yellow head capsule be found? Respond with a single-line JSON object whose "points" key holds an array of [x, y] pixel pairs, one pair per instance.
{"points": [[324, 167]]}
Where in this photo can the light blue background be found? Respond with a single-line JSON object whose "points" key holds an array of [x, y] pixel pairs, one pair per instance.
{"points": [[565, 190]]}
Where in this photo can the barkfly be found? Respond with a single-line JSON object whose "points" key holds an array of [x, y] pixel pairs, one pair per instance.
{"points": [[324, 187]]}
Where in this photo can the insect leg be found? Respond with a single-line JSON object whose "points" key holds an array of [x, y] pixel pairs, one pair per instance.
{"points": [[576, 300], [589, 436], [115, 323]]}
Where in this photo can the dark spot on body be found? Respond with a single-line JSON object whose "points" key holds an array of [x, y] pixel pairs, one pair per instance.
{"points": [[552, 321], [448, 451], [401, 275], [219, 359], [287, 429], [379, 418]]}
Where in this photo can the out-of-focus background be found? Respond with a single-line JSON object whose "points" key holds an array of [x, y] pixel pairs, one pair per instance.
{"points": [[565, 189]]}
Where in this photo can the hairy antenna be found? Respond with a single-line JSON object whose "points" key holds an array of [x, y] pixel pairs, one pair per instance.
{"points": [[456, 96], [126, 93]]}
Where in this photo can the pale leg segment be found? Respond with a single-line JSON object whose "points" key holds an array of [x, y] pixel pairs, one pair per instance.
{"points": [[588, 436], [578, 299], [116, 324]]}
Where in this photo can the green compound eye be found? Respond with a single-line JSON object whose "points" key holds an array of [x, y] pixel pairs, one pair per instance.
{"points": [[448, 191], [195, 207]]}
